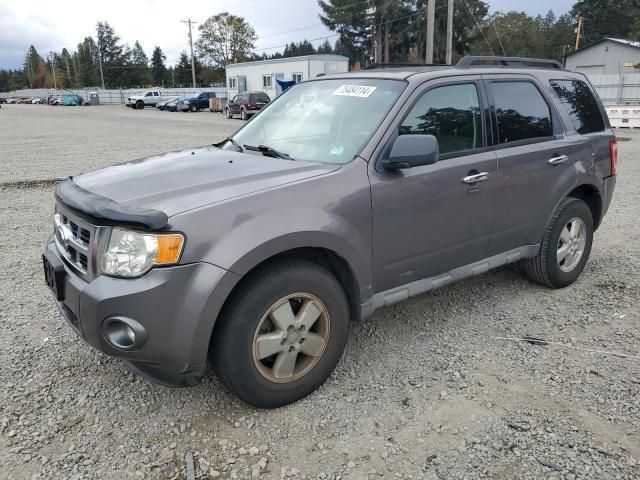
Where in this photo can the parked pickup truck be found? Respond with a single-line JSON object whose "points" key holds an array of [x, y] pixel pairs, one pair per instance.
{"points": [[195, 103], [149, 98], [347, 193]]}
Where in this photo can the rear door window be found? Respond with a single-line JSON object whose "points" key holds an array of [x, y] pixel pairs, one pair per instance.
{"points": [[521, 111], [450, 113], [577, 98], [259, 97]]}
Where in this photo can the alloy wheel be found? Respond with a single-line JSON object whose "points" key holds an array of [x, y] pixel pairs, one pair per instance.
{"points": [[291, 337], [571, 244]]}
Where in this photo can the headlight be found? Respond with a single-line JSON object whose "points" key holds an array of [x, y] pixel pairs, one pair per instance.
{"points": [[131, 254]]}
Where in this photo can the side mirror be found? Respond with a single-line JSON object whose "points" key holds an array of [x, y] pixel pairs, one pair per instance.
{"points": [[412, 151]]}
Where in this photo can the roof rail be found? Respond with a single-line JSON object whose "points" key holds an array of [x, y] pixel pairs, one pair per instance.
{"points": [[376, 66], [514, 62]]}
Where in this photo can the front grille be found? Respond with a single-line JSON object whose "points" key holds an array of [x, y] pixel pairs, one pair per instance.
{"points": [[75, 241]]}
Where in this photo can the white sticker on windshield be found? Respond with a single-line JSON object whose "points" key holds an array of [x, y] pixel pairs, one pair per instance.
{"points": [[362, 91]]}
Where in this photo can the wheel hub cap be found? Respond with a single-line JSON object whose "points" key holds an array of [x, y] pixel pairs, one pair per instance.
{"points": [[571, 244], [291, 337]]}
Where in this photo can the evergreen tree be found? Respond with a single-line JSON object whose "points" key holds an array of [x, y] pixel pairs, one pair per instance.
{"points": [[325, 48], [139, 72], [114, 56], [182, 71], [86, 64], [158, 68]]}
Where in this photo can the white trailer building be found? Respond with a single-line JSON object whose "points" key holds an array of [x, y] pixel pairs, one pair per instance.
{"points": [[262, 75]]}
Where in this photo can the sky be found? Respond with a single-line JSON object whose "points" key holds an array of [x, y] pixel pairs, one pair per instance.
{"points": [[52, 25]]}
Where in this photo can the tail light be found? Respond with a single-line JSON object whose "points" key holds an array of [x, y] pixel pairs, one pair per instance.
{"points": [[613, 153]]}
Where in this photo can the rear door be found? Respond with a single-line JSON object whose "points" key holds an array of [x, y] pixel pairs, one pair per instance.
{"points": [[433, 218], [535, 160]]}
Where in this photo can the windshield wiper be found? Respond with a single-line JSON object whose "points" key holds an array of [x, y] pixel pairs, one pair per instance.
{"points": [[268, 151]]}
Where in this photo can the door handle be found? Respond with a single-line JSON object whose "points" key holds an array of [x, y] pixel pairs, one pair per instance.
{"points": [[557, 160], [478, 177]]}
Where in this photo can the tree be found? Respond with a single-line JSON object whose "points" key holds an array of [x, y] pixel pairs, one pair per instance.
{"points": [[225, 39], [158, 68], [114, 56], [35, 69], [139, 72], [86, 63], [325, 48], [606, 18], [182, 71]]}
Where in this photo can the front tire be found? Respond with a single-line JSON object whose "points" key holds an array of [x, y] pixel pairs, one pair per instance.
{"points": [[139, 105], [565, 247], [281, 334], [227, 112], [243, 114]]}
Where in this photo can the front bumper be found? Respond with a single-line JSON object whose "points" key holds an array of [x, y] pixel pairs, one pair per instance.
{"points": [[172, 304]]}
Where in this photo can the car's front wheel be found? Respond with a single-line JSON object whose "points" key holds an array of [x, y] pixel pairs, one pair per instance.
{"points": [[139, 104], [565, 247], [281, 334], [227, 112], [243, 114]]}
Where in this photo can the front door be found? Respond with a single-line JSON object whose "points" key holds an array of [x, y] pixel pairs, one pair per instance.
{"points": [[430, 219], [535, 158]]}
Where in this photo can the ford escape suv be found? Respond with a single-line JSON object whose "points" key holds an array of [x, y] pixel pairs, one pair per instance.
{"points": [[345, 194]]}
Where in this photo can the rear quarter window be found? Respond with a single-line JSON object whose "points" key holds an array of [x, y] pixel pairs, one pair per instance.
{"points": [[578, 100]]}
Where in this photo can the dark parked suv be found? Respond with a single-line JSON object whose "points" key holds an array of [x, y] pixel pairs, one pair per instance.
{"points": [[246, 104], [347, 193]]}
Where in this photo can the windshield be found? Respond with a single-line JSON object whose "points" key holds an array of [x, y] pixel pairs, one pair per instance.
{"points": [[325, 120]]}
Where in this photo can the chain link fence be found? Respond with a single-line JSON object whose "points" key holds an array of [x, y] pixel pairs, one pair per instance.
{"points": [[114, 96]]}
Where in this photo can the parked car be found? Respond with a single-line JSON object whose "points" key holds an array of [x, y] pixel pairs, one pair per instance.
{"points": [[3, 100], [378, 186], [163, 105], [173, 106], [148, 99], [195, 103], [246, 104]]}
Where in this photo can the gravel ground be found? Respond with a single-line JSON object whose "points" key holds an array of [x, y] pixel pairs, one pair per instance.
{"points": [[430, 388]]}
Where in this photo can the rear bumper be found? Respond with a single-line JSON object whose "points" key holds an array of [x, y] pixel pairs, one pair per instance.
{"points": [[607, 193], [171, 304]]}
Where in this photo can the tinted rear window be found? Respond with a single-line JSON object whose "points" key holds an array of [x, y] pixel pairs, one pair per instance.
{"points": [[259, 97], [521, 110], [578, 100]]}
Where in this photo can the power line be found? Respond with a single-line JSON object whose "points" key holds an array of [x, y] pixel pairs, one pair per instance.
{"points": [[493, 24], [479, 28]]}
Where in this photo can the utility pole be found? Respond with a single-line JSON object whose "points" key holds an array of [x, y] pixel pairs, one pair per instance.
{"points": [[193, 66], [431, 17], [578, 32], [53, 70], [100, 63], [449, 54]]}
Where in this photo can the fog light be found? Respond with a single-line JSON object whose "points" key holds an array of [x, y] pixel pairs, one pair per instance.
{"points": [[124, 333]]}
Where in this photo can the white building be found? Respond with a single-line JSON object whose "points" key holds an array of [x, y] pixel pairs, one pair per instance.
{"points": [[262, 75]]}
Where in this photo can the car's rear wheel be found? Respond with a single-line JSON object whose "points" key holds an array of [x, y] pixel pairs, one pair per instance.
{"points": [[243, 114], [193, 107], [281, 334], [565, 246], [139, 104]]}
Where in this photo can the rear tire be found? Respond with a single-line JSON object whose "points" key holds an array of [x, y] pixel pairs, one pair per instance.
{"points": [[243, 114], [565, 247], [275, 310], [193, 107]]}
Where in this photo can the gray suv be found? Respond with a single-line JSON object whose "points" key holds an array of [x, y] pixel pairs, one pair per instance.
{"points": [[345, 194]]}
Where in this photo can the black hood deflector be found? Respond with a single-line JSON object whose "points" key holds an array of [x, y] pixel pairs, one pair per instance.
{"points": [[105, 211]]}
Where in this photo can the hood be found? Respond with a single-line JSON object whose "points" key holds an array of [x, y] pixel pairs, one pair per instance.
{"points": [[180, 181]]}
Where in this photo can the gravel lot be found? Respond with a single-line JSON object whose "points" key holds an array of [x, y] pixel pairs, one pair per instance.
{"points": [[430, 388]]}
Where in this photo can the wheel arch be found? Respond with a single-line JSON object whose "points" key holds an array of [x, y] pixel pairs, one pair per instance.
{"points": [[591, 196], [232, 282]]}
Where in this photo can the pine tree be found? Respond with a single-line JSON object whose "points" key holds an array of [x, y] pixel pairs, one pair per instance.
{"points": [[114, 56], [86, 64], [139, 72], [158, 68]]}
